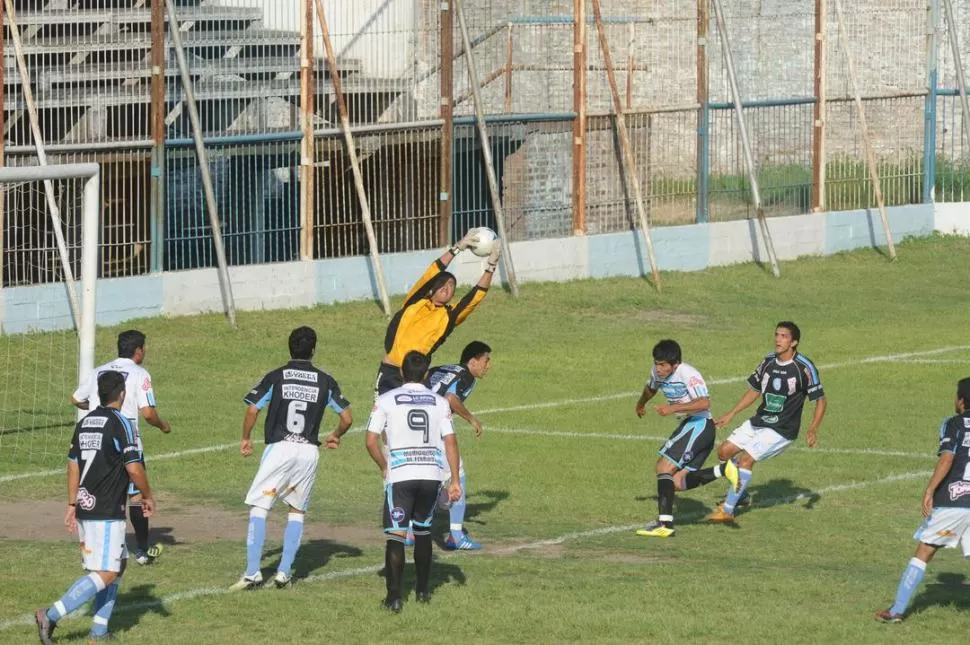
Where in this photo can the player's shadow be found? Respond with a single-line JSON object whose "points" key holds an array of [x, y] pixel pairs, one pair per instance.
{"points": [[314, 555], [132, 604], [780, 492], [949, 590], [687, 510], [477, 504], [157, 535], [442, 573]]}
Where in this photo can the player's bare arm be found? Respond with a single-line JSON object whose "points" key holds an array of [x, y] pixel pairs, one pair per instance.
{"points": [[376, 452], [746, 400], [73, 483], [150, 415], [452, 454], [691, 407], [458, 407], [136, 471], [811, 438], [80, 405], [943, 465], [647, 394], [249, 421], [346, 420]]}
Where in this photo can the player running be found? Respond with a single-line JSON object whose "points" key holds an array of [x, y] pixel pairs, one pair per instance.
{"points": [[946, 504], [425, 320], [420, 437], [783, 381], [455, 383], [297, 394], [103, 459], [139, 397], [690, 444]]}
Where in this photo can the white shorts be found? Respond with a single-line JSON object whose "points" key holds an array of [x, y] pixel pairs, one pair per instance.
{"points": [[286, 471], [102, 544], [946, 527], [760, 443]]}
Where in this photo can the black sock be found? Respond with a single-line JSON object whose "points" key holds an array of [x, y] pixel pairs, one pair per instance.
{"points": [[422, 562], [394, 568], [699, 478], [665, 498], [140, 523]]}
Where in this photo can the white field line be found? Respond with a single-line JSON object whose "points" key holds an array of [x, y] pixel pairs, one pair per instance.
{"points": [[28, 619], [935, 361], [554, 404]]}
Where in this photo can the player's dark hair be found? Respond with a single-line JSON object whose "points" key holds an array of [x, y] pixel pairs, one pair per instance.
{"points": [[130, 341], [796, 333], [474, 349], [439, 281], [110, 386], [667, 351], [414, 367], [303, 342], [963, 391]]}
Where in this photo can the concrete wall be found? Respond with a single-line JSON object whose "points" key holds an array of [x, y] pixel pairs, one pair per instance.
{"points": [[303, 284]]}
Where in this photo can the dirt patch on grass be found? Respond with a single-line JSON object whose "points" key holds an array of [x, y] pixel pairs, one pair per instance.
{"points": [[666, 316]]}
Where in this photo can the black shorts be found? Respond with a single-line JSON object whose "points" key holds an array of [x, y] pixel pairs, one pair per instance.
{"points": [[412, 502], [690, 444], [388, 378]]}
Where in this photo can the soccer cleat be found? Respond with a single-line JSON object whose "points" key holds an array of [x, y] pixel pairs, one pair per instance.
{"points": [[465, 543], [45, 627], [94, 639], [720, 516], [732, 475], [154, 551], [394, 605], [423, 596], [142, 557], [282, 579], [248, 582], [656, 529], [887, 616]]}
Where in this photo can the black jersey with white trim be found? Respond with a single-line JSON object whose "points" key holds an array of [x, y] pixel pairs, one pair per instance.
{"points": [[102, 445], [784, 386], [451, 379], [297, 395], [954, 490]]}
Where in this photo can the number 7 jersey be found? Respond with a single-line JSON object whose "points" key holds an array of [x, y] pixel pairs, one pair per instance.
{"points": [[415, 422], [297, 395]]}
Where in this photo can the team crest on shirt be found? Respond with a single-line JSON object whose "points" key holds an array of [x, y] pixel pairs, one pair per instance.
{"points": [[687, 456], [958, 490], [146, 384], [776, 384], [86, 500], [397, 514]]}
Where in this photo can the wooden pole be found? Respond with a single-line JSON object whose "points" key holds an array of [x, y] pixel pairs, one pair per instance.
{"points": [[157, 183], [52, 207], [819, 109], [626, 150], [446, 112], [951, 30], [3, 145], [307, 109], [864, 131], [212, 208], [745, 141], [487, 152], [579, 123], [354, 162]]}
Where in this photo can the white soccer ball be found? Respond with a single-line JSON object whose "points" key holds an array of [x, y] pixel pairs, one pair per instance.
{"points": [[483, 240]]}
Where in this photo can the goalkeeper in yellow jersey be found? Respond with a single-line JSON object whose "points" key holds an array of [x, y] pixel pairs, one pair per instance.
{"points": [[426, 319]]}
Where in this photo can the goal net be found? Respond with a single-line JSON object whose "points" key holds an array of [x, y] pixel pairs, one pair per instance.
{"points": [[49, 221]]}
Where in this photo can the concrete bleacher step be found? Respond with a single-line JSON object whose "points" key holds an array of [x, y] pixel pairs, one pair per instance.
{"points": [[129, 16], [243, 42]]}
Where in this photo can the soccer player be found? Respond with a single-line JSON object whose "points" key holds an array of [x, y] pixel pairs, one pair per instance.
{"points": [[139, 397], [420, 436], [690, 444], [946, 504], [104, 456], [426, 319], [783, 381], [455, 383], [297, 395]]}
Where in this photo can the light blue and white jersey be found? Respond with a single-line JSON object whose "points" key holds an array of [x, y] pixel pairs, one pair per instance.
{"points": [[684, 385]]}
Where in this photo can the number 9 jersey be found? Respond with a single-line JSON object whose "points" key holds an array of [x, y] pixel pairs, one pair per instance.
{"points": [[297, 395], [415, 422]]}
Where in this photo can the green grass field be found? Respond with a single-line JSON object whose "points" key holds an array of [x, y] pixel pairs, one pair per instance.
{"points": [[561, 478]]}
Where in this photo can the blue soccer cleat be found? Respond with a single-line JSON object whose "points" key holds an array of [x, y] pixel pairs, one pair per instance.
{"points": [[464, 543]]}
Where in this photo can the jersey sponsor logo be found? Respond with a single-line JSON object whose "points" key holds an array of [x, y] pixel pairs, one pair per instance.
{"points": [[415, 399], [89, 440], [397, 514], [86, 500], [770, 420], [300, 375], [966, 422], [966, 441], [300, 392], [94, 422], [146, 384], [958, 490], [774, 402], [415, 457], [945, 533], [792, 385]]}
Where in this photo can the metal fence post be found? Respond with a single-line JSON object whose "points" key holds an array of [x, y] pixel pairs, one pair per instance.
{"points": [[703, 112], [929, 109]]}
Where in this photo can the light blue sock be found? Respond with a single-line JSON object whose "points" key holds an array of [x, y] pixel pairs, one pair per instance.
{"points": [[292, 535], [84, 589], [104, 604], [456, 513], [744, 477], [254, 539], [912, 576]]}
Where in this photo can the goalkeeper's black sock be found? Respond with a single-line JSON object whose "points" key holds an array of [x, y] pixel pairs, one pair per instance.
{"points": [[701, 477], [665, 499], [140, 523], [422, 562], [394, 568]]}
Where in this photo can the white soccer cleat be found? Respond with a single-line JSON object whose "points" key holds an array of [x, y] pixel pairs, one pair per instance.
{"points": [[248, 582], [282, 579]]}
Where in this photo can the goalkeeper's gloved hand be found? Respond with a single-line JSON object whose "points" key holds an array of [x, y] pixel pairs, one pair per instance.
{"points": [[494, 256], [463, 243]]}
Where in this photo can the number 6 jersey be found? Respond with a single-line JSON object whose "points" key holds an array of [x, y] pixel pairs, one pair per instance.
{"points": [[297, 395], [415, 422]]}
